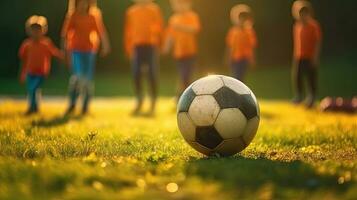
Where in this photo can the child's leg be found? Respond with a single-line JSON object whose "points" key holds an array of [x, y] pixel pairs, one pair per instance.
{"points": [[33, 85], [311, 73], [87, 82], [185, 67], [74, 83], [297, 77], [153, 70], [239, 69], [137, 62]]}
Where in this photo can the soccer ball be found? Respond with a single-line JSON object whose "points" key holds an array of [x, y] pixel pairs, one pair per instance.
{"points": [[218, 115]]}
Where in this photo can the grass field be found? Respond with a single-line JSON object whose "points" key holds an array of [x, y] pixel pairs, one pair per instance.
{"points": [[297, 154], [336, 78]]}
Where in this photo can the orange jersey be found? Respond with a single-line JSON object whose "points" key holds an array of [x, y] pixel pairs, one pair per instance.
{"points": [[36, 56], [82, 32], [185, 43], [242, 42], [306, 38], [143, 26]]}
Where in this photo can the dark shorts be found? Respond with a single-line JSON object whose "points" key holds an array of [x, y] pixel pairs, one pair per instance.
{"points": [[145, 56]]}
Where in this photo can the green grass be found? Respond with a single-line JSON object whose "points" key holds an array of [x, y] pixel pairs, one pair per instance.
{"points": [[297, 154], [335, 79]]}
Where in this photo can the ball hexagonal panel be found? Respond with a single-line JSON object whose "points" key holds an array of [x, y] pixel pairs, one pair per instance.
{"points": [[230, 123], [185, 100], [207, 85], [230, 147], [186, 126], [200, 148], [208, 137], [227, 98], [204, 110], [251, 130], [235, 85]]}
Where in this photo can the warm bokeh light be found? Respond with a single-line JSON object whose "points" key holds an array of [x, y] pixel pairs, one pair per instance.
{"points": [[172, 187]]}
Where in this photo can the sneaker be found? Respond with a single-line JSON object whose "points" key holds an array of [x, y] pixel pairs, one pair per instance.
{"points": [[296, 100], [152, 108], [69, 111], [136, 111], [85, 111], [310, 102], [31, 112]]}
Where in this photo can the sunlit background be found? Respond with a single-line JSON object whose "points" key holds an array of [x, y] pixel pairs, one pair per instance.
{"points": [[273, 23]]}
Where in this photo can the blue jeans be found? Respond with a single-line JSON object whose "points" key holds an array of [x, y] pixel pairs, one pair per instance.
{"points": [[239, 68], [145, 56], [81, 81], [34, 83], [185, 68]]}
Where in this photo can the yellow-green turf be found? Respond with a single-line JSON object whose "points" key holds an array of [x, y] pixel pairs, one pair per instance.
{"points": [[297, 154]]}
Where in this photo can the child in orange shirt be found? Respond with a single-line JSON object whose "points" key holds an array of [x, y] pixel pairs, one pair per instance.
{"points": [[142, 38], [97, 13], [82, 33], [184, 26], [36, 53], [241, 41], [307, 42]]}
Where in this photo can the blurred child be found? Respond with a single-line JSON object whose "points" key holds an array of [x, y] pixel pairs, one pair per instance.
{"points": [[82, 33], [143, 32], [307, 41], [241, 41], [36, 53], [97, 13], [184, 26]]}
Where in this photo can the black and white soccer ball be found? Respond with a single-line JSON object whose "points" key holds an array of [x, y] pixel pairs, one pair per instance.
{"points": [[218, 115]]}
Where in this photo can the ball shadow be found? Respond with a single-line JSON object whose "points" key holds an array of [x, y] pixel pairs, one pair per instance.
{"points": [[56, 121], [252, 174]]}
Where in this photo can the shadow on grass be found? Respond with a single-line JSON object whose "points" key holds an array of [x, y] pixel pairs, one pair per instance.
{"points": [[56, 121], [251, 175], [11, 115], [267, 115]]}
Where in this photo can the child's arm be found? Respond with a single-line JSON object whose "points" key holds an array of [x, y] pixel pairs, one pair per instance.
{"points": [[127, 36], [316, 60], [168, 43], [106, 48], [252, 60], [67, 25], [228, 52], [55, 51], [253, 41], [194, 27], [168, 38], [317, 52], [159, 26], [227, 56], [295, 41], [22, 55], [186, 28]]}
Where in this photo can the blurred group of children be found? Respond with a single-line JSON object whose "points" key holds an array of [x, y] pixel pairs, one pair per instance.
{"points": [[146, 37], [82, 34]]}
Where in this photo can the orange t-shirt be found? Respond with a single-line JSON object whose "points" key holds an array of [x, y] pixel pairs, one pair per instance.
{"points": [[185, 43], [241, 42], [143, 26], [82, 32], [306, 38], [36, 56]]}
